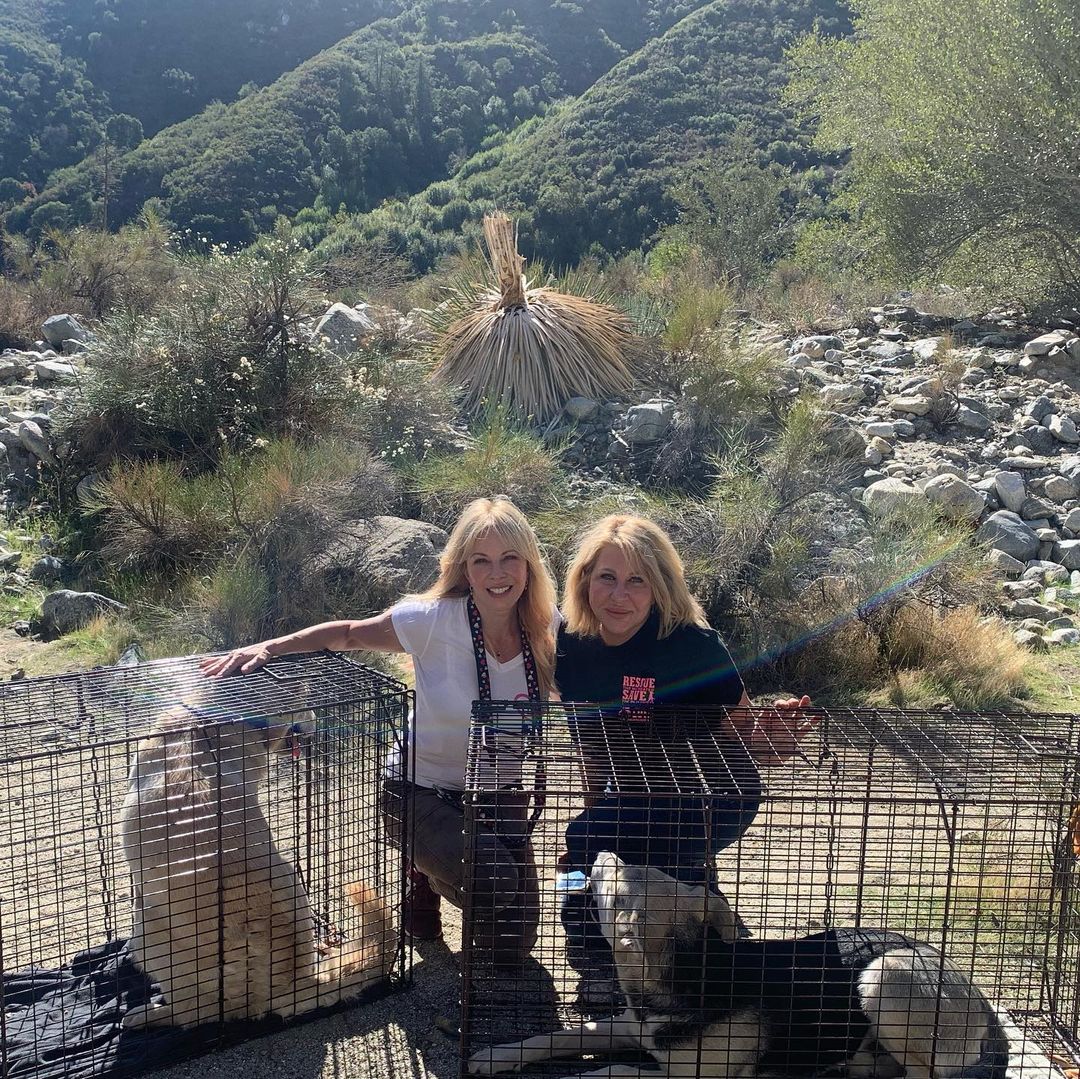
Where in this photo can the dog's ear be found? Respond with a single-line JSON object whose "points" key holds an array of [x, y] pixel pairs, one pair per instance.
{"points": [[721, 917]]}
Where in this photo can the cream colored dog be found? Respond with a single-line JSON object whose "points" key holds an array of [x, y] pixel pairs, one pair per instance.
{"points": [[222, 921]]}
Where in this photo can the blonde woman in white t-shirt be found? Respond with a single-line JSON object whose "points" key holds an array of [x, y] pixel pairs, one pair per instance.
{"points": [[484, 629]]}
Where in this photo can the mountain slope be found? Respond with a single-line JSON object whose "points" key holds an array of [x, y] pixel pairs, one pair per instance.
{"points": [[50, 113], [164, 62], [382, 112], [599, 172]]}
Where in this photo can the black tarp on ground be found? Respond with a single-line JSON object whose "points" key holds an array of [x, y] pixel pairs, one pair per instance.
{"points": [[65, 1024]]}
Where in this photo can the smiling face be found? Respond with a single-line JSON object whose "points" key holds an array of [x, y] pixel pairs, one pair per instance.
{"points": [[497, 574], [619, 594]]}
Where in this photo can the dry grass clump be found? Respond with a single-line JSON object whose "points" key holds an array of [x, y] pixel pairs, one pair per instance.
{"points": [[529, 349], [963, 655]]}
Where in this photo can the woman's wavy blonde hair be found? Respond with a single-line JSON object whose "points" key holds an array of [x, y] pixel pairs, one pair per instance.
{"points": [[651, 553], [537, 604]]}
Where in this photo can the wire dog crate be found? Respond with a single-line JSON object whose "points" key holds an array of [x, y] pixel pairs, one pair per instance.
{"points": [[952, 829], [188, 861]]}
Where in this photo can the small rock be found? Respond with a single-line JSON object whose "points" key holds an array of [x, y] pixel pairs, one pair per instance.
{"points": [[1041, 346], [915, 406], [1011, 490], [1067, 552], [1045, 572], [1028, 640], [971, 420], [1063, 429], [1025, 463], [1061, 488], [649, 422], [47, 570], [1004, 564], [60, 328], [1032, 608], [345, 328], [33, 440], [842, 395], [64, 611], [55, 371], [581, 408], [880, 430], [1064, 637]]}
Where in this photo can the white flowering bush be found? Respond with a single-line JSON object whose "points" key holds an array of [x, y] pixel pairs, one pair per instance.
{"points": [[402, 414]]}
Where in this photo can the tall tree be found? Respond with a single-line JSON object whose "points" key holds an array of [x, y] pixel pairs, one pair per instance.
{"points": [[962, 118]]}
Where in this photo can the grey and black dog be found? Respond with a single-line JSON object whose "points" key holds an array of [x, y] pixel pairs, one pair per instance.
{"points": [[703, 1002]]}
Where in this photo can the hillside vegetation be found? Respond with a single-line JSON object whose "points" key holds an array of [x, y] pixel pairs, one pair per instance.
{"points": [[385, 111], [599, 174], [50, 112]]}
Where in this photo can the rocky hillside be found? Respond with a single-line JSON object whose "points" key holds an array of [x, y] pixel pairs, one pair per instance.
{"points": [[978, 418]]}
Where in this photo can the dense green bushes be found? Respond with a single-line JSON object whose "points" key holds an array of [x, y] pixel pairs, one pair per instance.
{"points": [[964, 143], [598, 175]]}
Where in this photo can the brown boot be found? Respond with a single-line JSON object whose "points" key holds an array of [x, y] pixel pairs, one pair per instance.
{"points": [[422, 919]]}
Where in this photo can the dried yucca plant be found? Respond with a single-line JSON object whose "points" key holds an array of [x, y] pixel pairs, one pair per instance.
{"points": [[529, 349]]}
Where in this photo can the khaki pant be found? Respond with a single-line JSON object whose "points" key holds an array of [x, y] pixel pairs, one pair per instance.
{"points": [[504, 895]]}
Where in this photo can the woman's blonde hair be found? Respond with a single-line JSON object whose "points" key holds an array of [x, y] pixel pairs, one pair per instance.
{"points": [[650, 552], [537, 604]]}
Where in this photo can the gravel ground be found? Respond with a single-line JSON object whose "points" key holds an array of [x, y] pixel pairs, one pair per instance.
{"points": [[395, 1036]]}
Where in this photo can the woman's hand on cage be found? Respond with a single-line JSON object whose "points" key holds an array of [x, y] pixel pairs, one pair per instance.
{"points": [[779, 730], [239, 661]]}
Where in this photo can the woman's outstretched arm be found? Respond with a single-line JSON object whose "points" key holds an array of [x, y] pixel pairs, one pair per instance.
{"points": [[374, 634]]}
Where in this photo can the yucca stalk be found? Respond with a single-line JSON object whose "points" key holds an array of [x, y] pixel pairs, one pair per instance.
{"points": [[529, 349]]}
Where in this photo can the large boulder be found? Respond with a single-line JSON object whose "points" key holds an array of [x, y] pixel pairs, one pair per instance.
{"points": [[65, 611], [61, 328], [649, 422], [886, 497], [955, 498], [344, 328], [1005, 531], [379, 560]]}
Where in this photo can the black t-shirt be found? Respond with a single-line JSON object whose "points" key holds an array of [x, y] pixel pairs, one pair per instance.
{"points": [[648, 691], [691, 666]]}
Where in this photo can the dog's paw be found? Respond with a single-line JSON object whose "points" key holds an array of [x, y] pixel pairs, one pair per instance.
{"points": [[497, 1058]]}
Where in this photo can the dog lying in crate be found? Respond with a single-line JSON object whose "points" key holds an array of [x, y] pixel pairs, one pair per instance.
{"points": [[703, 1002], [222, 922]]}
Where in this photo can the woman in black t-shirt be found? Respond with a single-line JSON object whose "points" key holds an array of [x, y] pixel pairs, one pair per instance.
{"points": [[637, 647]]}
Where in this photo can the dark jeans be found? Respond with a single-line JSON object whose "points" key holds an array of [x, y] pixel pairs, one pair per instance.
{"points": [[678, 834], [505, 890]]}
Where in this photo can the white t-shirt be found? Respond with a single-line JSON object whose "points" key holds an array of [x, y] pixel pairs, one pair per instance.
{"points": [[436, 634]]}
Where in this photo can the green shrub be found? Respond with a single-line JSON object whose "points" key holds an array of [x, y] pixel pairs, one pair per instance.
{"points": [[220, 364], [724, 389], [697, 308], [281, 502], [401, 412], [157, 520], [499, 458]]}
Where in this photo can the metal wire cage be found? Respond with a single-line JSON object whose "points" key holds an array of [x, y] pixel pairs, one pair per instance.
{"points": [[186, 861], [952, 829]]}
